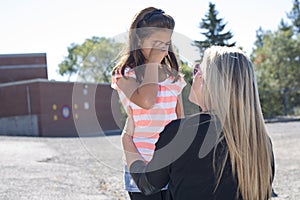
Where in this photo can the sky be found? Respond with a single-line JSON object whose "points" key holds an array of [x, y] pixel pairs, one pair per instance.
{"points": [[51, 26]]}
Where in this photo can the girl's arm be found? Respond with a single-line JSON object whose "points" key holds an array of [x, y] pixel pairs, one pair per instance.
{"points": [[179, 107], [144, 94], [129, 148]]}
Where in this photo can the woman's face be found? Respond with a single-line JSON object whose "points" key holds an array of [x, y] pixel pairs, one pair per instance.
{"points": [[159, 39], [196, 88]]}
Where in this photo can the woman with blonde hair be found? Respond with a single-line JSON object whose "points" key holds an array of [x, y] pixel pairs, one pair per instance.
{"points": [[222, 153]]}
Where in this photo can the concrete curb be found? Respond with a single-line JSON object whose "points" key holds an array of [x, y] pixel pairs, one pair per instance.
{"points": [[283, 119]]}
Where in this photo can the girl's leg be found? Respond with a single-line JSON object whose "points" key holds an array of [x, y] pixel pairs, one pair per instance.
{"points": [[139, 196]]}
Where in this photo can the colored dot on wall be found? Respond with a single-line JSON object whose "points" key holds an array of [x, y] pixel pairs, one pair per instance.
{"points": [[86, 105], [76, 116], [85, 91], [65, 112], [54, 106], [75, 106], [55, 117]]}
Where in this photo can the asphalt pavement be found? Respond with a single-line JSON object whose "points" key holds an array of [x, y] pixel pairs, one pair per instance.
{"points": [[37, 168]]}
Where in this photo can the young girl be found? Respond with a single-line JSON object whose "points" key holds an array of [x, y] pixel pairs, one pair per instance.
{"points": [[149, 84]]}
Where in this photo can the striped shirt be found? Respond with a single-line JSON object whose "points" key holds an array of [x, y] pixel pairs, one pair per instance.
{"points": [[149, 123]]}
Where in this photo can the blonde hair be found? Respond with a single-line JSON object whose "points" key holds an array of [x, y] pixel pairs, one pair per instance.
{"points": [[230, 91]]}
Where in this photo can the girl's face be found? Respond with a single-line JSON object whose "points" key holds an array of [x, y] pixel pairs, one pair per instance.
{"points": [[159, 39], [196, 88]]}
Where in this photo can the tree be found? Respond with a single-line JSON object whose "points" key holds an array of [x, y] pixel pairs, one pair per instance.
{"points": [[92, 61], [259, 38], [214, 34], [186, 70], [189, 107], [277, 62], [294, 16]]}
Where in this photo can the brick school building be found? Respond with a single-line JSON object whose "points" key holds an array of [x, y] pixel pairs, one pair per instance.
{"points": [[31, 105]]}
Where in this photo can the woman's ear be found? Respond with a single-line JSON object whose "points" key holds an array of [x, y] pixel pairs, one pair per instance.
{"points": [[196, 90]]}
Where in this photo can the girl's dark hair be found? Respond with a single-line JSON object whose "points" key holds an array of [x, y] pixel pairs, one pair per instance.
{"points": [[146, 22]]}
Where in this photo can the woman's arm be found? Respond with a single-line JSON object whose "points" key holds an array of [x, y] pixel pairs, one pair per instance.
{"points": [[135, 162], [148, 177], [137, 166], [153, 176]]}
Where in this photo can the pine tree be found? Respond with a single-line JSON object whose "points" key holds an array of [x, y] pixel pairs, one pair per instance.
{"points": [[214, 34], [284, 26], [294, 16], [259, 38]]}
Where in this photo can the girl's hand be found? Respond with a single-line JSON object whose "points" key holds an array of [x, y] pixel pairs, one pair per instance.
{"points": [[158, 52]]}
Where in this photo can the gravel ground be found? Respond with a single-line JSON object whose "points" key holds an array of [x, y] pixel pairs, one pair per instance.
{"points": [[286, 146], [91, 168]]}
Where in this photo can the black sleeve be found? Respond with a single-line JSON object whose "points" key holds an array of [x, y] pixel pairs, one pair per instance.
{"points": [[154, 176], [137, 171], [273, 194], [272, 161]]}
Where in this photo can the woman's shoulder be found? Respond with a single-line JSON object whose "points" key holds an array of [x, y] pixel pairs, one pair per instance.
{"points": [[179, 125], [198, 118], [187, 127], [190, 120]]}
